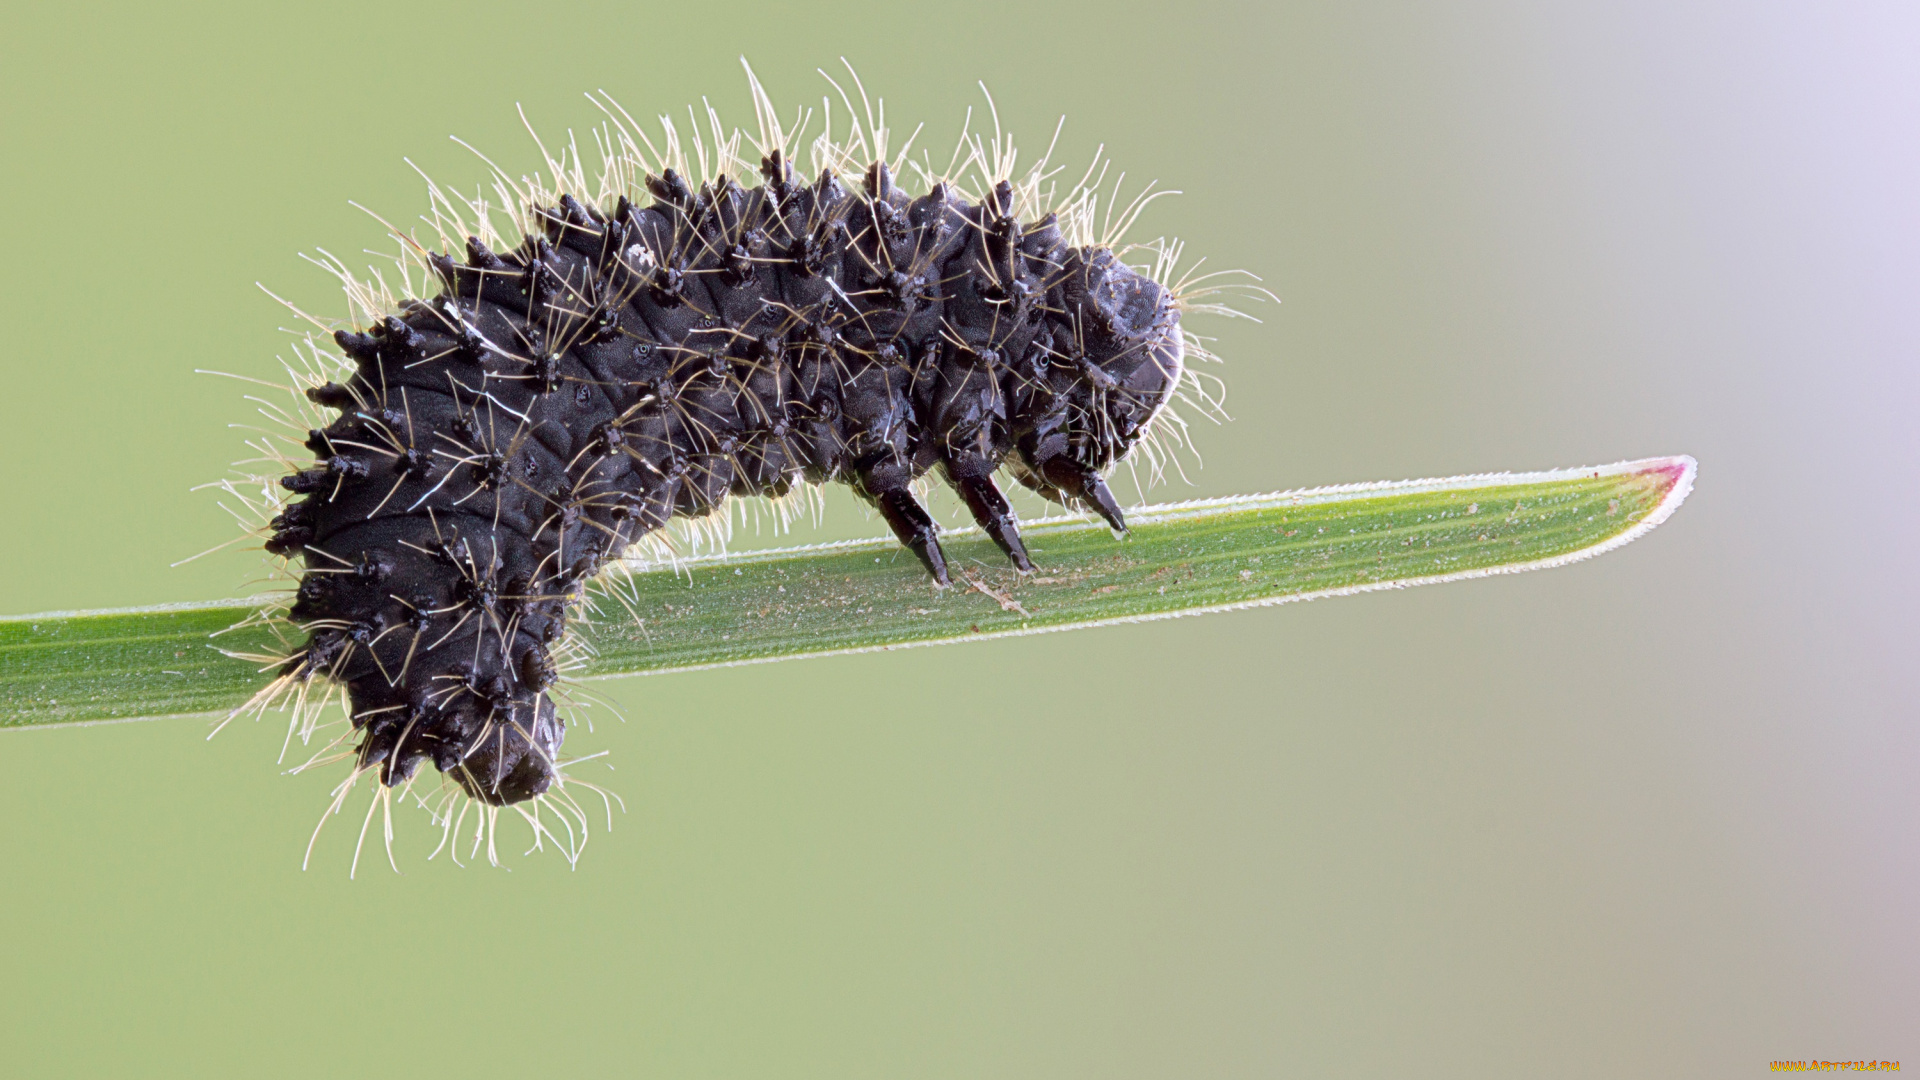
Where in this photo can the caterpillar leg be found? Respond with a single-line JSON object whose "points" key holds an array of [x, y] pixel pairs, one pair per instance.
{"points": [[886, 489], [991, 510], [1084, 486]]}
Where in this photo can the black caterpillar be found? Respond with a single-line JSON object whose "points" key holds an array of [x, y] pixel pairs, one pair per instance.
{"points": [[498, 443]]}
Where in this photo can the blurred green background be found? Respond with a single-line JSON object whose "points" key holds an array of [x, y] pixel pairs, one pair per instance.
{"points": [[1654, 814]]}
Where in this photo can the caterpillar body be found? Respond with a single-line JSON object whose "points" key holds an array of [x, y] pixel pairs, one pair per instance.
{"points": [[647, 351]]}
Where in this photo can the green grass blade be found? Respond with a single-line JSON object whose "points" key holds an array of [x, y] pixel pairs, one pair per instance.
{"points": [[1182, 559]]}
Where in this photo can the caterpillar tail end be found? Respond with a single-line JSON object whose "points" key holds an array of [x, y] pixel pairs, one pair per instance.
{"points": [[513, 761], [503, 753]]}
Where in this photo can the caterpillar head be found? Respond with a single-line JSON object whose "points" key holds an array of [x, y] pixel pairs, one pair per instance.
{"points": [[1113, 371]]}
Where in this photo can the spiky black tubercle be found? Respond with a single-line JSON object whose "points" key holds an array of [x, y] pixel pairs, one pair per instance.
{"points": [[554, 404]]}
